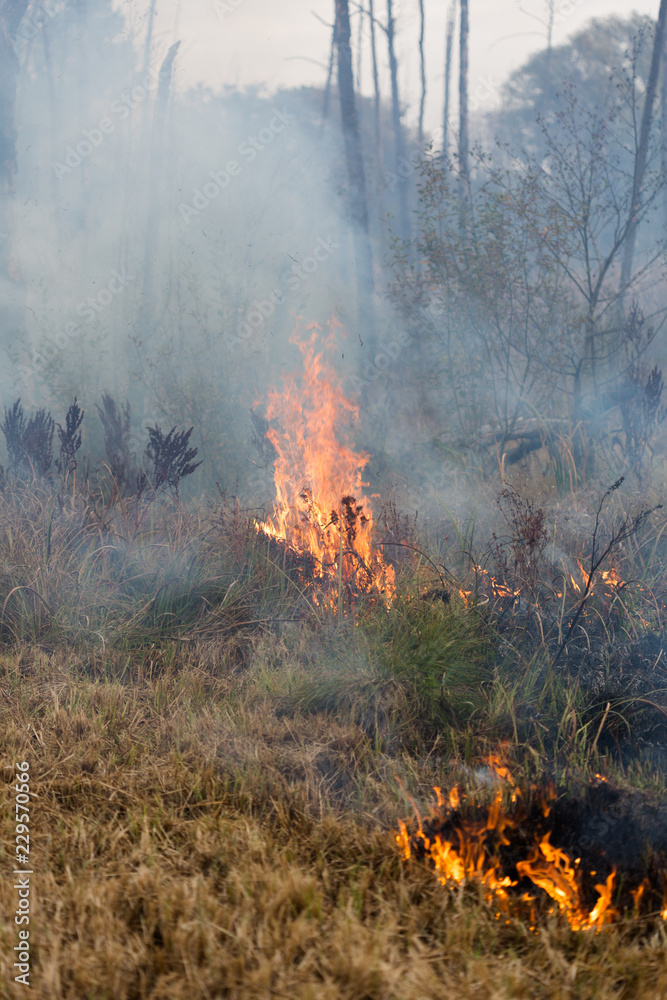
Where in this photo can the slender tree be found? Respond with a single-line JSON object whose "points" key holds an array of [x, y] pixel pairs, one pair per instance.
{"points": [[148, 42], [360, 45], [11, 14], [422, 69], [377, 104], [464, 142], [327, 87], [548, 25], [399, 140], [356, 176], [641, 157], [551, 15], [155, 175], [376, 83], [449, 52], [663, 105]]}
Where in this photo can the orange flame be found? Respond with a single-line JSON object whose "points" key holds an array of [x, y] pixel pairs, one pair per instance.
{"points": [[320, 510], [609, 578], [551, 870], [468, 854]]}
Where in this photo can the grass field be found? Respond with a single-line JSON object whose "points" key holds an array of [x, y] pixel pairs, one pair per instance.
{"points": [[218, 765]]}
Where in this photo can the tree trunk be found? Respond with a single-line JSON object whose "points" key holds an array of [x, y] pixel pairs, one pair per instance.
{"points": [[376, 79], [148, 44], [449, 50], [12, 292], [379, 152], [422, 68], [327, 86], [464, 142], [641, 156], [399, 141], [360, 40], [663, 103], [356, 178], [147, 321], [551, 14]]}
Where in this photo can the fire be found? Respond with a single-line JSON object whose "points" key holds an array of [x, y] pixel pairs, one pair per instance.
{"points": [[489, 586], [550, 869], [463, 849], [320, 511], [499, 768], [609, 577]]}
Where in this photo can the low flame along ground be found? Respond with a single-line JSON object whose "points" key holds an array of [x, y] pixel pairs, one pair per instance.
{"points": [[608, 580], [463, 849], [320, 510]]}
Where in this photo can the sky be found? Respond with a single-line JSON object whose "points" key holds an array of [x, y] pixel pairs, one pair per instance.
{"points": [[285, 43]]}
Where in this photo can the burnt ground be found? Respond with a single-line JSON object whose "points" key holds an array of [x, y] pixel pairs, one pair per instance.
{"points": [[606, 828]]}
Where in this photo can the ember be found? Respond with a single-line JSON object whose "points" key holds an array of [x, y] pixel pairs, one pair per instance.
{"points": [[506, 847], [320, 513]]}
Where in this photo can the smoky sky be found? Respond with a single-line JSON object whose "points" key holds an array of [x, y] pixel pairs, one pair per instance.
{"points": [[286, 44]]}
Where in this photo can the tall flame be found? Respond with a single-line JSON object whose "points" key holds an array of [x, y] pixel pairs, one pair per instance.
{"points": [[320, 510]]}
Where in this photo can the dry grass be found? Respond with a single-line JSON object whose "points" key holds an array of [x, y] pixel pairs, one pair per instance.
{"points": [[191, 840], [217, 768]]}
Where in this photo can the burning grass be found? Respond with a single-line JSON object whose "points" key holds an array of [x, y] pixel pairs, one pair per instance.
{"points": [[219, 756], [320, 516], [529, 846]]}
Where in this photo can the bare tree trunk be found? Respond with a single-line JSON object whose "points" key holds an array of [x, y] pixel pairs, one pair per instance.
{"points": [[356, 177], [360, 39], [663, 102], [149, 37], [155, 175], [399, 141], [422, 68], [327, 86], [551, 14], [449, 50], [376, 86], [377, 104], [12, 293], [464, 142], [642, 151]]}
